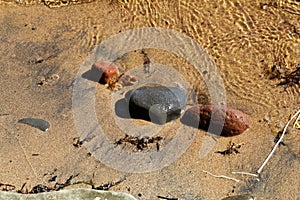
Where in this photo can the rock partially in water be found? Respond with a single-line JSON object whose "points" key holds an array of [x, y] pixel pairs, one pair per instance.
{"points": [[227, 121], [240, 197], [156, 103], [127, 80], [76, 194], [105, 72]]}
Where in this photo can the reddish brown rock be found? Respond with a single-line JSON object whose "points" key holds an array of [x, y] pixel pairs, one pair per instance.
{"points": [[225, 122], [106, 72]]}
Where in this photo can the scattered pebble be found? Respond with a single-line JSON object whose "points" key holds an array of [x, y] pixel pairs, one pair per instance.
{"points": [[199, 116], [106, 72], [37, 123], [48, 80], [267, 118], [156, 103]]}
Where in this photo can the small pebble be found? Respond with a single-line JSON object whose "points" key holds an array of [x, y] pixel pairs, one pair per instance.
{"points": [[48, 80], [267, 119], [37, 123], [199, 116], [105, 71]]}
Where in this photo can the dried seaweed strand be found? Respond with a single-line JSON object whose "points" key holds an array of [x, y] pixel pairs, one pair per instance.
{"points": [[221, 176], [278, 142]]}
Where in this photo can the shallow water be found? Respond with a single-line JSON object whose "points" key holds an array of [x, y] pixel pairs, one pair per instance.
{"points": [[242, 41]]}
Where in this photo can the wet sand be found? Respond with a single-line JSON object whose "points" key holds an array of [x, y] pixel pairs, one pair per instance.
{"points": [[243, 38]]}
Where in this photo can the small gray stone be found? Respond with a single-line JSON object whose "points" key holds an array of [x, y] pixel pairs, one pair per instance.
{"points": [[156, 103], [37, 123]]}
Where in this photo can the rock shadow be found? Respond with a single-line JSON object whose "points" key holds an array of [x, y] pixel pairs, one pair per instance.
{"points": [[209, 127], [123, 110], [94, 75]]}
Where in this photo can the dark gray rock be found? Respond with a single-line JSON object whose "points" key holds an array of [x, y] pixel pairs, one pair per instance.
{"points": [[37, 123], [156, 103]]}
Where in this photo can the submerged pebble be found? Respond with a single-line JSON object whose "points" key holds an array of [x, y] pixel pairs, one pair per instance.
{"points": [[235, 121], [127, 80], [156, 103], [37, 123]]}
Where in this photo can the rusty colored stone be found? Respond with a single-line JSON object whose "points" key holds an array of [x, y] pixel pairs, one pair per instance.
{"points": [[225, 122], [105, 71]]}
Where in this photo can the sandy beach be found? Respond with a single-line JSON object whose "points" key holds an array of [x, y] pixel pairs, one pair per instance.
{"points": [[252, 50]]}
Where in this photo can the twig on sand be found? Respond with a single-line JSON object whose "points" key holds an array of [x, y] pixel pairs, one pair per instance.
{"points": [[246, 173], [297, 122], [278, 142], [221, 176]]}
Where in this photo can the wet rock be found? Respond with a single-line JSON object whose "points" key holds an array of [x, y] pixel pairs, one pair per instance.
{"points": [[156, 103], [227, 121], [105, 72], [127, 80], [240, 197], [80, 194], [37, 123]]}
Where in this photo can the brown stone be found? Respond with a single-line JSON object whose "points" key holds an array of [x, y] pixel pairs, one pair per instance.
{"points": [[107, 72], [225, 122]]}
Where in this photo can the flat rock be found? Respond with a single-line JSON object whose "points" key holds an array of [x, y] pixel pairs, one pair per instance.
{"points": [[74, 194], [37, 123], [156, 103], [240, 197], [225, 122]]}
